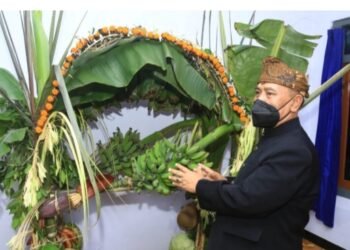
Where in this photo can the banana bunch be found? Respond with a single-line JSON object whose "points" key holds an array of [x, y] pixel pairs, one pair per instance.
{"points": [[246, 142], [114, 157], [151, 168]]}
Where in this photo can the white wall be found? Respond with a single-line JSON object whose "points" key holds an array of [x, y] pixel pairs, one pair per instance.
{"points": [[147, 221]]}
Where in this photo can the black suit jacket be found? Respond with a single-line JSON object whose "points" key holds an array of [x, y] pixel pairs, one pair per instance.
{"points": [[267, 206]]}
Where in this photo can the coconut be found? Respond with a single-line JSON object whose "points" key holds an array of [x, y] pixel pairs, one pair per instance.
{"points": [[188, 217]]}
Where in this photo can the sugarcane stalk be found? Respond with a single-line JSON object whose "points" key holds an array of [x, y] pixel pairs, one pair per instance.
{"points": [[158, 135], [213, 136]]}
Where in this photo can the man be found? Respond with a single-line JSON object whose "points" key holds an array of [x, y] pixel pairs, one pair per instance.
{"points": [[267, 206]]}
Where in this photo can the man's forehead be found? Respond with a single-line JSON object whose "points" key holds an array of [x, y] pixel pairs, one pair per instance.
{"points": [[270, 86], [275, 88]]}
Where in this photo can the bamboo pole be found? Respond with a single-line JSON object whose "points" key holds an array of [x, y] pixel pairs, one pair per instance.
{"points": [[327, 84]]}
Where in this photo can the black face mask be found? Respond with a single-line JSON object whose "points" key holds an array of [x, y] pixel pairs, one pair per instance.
{"points": [[265, 115]]}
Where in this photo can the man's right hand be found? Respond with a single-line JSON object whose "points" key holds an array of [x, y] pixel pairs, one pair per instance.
{"points": [[208, 173]]}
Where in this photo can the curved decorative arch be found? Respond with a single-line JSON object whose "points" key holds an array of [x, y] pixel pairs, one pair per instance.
{"points": [[113, 56]]}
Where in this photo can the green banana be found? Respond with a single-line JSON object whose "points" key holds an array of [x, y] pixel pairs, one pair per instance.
{"points": [[170, 145], [165, 176], [157, 151], [163, 188], [152, 157], [162, 168], [192, 165], [126, 145], [148, 187], [142, 159], [155, 183], [199, 156], [184, 161]]}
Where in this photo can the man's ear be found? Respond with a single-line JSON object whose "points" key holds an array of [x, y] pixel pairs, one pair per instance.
{"points": [[297, 103]]}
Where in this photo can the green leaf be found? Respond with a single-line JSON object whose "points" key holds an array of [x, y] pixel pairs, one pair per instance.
{"points": [[118, 66], [14, 204], [169, 76], [266, 33], [223, 37], [50, 246], [226, 110], [245, 68], [7, 116], [282, 41], [10, 85], [17, 220], [41, 52], [297, 43], [87, 96], [4, 149], [14, 135]]}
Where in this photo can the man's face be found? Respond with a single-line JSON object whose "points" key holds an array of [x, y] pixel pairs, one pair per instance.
{"points": [[273, 94], [280, 97]]}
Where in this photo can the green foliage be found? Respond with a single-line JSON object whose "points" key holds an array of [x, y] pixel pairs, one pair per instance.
{"points": [[115, 156], [150, 169], [11, 136], [276, 39], [51, 246], [118, 66], [10, 85], [41, 51], [132, 68]]}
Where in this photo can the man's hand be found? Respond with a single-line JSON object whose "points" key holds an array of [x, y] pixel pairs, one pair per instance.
{"points": [[208, 173], [184, 178]]}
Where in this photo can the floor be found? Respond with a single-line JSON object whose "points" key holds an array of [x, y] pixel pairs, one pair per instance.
{"points": [[308, 245]]}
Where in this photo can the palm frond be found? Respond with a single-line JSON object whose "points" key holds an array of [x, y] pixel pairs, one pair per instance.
{"points": [[223, 37], [71, 41], [209, 29], [230, 27], [55, 37], [29, 55], [41, 52], [19, 240], [251, 21], [14, 56], [82, 150], [203, 26], [216, 40], [52, 28]]}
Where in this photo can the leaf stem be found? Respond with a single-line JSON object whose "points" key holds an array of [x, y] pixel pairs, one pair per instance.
{"points": [[278, 42]]}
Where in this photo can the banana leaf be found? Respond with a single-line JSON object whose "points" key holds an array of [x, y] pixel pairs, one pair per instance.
{"points": [[118, 65], [41, 52], [277, 39], [10, 86], [267, 31]]}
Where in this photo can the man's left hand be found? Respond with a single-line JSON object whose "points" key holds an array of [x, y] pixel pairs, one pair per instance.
{"points": [[184, 178]]}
